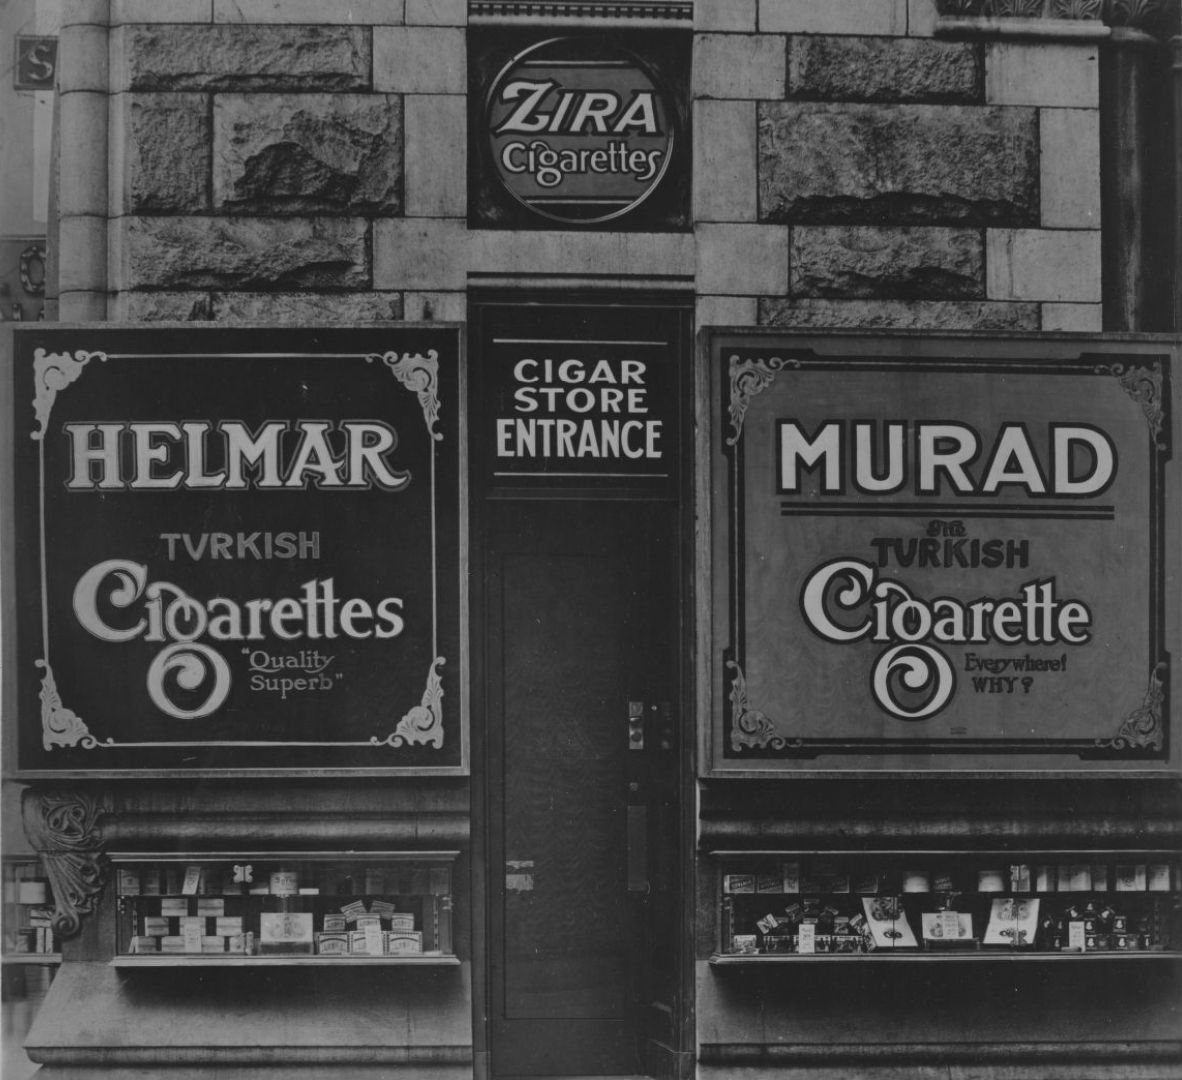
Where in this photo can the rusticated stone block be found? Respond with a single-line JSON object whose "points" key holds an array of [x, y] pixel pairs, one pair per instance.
{"points": [[1081, 318], [167, 163], [833, 16], [289, 153], [737, 16], [160, 306], [1044, 264], [1043, 73], [897, 314], [1070, 193], [245, 57], [420, 60], [436, 13], [921, 17], [725, 311], [306, 308], [736, 259], [739, 65], [435, 306], [724, 160], [884, 69], [226, 253], [902, 262], [437, 170], [357, 12], [905, 164]]}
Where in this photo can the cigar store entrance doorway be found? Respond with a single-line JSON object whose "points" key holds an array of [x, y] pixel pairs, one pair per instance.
{"points": [[583, 750]]}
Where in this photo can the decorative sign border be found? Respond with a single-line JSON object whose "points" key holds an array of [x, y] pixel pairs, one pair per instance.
{"points": [[753, 739], [422, 723]]}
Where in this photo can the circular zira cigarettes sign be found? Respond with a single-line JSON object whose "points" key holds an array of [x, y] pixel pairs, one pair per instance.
{"points": [[579, 131]]}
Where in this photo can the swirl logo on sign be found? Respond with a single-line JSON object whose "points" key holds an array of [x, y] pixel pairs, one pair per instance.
{"points": [[193, 665], [916, 669]]}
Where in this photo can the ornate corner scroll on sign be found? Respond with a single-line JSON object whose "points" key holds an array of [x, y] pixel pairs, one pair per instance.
{"points": [[751, 727], [420, 375], [63, 828], [1142, 728], [1143, 383], [60, 726], [53, 372], [749, 378], [422, 725]]}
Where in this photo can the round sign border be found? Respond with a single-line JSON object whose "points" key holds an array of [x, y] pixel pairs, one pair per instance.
{"points": [[658, 85]]}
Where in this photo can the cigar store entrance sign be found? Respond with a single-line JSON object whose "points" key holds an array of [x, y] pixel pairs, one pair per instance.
{"points": [[586, 403], [238, 549], [936, 554]]}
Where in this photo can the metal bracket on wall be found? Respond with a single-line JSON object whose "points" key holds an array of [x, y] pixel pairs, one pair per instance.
{"points": [[63, 828]]}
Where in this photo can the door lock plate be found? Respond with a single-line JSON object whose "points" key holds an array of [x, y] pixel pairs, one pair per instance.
{"points": [[636, 725]]}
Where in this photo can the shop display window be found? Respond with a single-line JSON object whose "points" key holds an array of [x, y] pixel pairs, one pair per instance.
{"points": [[31, 958], [28, 913], [781, 906], [277, 908]]}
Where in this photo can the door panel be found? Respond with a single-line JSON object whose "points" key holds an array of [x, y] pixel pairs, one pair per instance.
{"points": [[580, 596]]}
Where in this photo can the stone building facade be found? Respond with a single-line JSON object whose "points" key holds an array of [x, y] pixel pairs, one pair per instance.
{"points": [[962, 168], [868, 165]]}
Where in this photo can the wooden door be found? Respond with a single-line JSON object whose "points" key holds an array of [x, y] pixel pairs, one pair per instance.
{"points": [[581, 621]]}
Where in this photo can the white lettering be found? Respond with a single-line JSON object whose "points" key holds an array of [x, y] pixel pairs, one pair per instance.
{"points": [[843, 601], [796, 447], [168, 614], [1080, 460], [1103, 454], [164, 455]]}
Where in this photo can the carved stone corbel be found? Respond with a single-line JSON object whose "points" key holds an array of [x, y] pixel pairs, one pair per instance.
{"points": [[62, 827]]}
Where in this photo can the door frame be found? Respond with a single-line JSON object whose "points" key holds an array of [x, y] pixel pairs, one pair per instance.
{"points": [[676, 1061]]}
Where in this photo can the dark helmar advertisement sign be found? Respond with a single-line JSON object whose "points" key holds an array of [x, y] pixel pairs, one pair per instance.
{"points": [[937, 558], [238, 549]]}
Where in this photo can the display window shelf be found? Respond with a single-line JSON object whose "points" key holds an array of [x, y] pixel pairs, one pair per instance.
{"points": [[247, 909], [886, 906], [28, 935]]}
